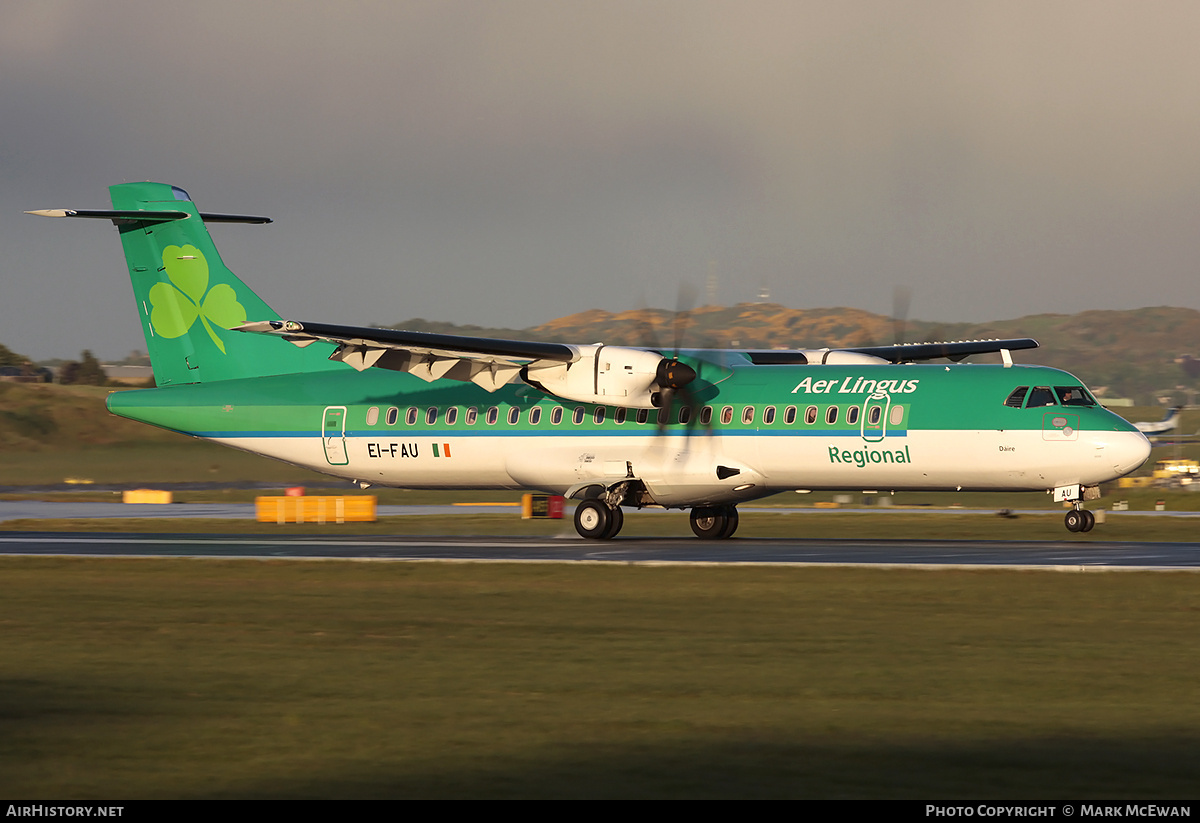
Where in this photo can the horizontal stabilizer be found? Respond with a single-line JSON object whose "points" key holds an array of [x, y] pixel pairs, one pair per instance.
{"points": [[119, 216]]}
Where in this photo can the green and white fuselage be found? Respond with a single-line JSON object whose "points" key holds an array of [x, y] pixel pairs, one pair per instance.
{"points": [[936, 427], [612, 426]]}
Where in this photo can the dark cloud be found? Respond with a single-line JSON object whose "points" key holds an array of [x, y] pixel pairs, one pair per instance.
{"points": [[505, 163]]}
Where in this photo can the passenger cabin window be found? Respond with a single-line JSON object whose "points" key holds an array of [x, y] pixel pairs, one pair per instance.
{"points": [[748, 415], [789, 415], [726, 415], [643, 415], [493, 414], [1017, 397], [514, 414], [410, 417], [393, 415], [431, 416], [372, 415], [664, 416], [598, 416], [685, 415], [810, 415], [577, 415], [831, 415], [852, 415], [451, 415], [471, 416], [874, 415], [1040, 396], [706, 416], [556, 415], [535, 415], [896, 415], [619, 415], [769, 415]]}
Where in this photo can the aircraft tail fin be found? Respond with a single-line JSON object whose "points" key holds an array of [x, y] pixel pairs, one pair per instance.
{"points": [[186, 297]]}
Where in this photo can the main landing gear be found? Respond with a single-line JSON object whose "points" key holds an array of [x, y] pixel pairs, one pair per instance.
{"points": [[597, 520], [1079, 520], [714, 522]]}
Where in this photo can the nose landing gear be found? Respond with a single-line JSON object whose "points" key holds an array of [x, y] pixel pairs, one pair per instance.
{"points": [[1079, 519]]}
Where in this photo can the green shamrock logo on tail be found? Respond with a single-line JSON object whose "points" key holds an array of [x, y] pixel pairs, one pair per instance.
{"points": [[177, 304]]}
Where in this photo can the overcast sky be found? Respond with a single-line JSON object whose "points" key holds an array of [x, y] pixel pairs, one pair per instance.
{"points": [[506, 163]]}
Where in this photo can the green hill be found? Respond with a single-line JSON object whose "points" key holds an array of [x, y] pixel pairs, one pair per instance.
{"points": [[1135, 353]]}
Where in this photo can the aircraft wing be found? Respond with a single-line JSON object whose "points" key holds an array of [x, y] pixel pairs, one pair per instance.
{"points": [[623, 376], [487, 362], [900, 353]]}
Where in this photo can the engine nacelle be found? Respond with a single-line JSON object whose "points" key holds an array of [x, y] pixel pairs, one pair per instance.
{"points": [[604, 375]]}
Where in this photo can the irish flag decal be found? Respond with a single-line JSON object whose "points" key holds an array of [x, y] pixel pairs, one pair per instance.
{"points": [[445, 450]]}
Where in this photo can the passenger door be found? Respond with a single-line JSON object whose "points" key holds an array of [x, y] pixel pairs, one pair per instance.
{"points": [[333, 435], [875, 417]]}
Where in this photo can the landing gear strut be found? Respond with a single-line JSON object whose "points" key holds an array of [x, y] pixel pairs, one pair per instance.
{"points": [[714, 522], [595, 520]]}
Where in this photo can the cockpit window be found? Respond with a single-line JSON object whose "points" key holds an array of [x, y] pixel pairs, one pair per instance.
{"points": [[1017, 397], [1040, 396], [1074, 396]]}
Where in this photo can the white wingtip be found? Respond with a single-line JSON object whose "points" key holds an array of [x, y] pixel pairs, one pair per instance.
{"points": [[51, 212]]}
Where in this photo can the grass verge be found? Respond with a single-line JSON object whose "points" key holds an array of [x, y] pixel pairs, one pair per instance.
{"points": [[182, 678]]}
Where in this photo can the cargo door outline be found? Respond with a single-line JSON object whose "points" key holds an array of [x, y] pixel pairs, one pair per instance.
{"points": [[333, 435], [875, 432]]}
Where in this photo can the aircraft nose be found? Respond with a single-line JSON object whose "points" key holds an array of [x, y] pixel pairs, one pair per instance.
{"points": [[1124, 450]]}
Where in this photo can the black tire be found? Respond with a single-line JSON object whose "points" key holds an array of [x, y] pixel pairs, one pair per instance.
{"points": [[1089, 521], [731, 522], [592, 520], [616, 521], [1074, 520], [709, 523]]}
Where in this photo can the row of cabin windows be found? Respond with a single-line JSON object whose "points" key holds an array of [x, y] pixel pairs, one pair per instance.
{"points": [[641, 416], [1049, 396]]}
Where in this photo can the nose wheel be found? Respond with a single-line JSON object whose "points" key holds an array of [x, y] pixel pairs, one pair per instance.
{"points": [[1080, 520]]}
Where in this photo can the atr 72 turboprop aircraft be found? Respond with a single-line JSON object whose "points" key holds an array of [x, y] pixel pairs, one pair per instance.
{"points": [[611, 426]]}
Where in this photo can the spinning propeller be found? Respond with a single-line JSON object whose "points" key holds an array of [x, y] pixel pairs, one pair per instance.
{"points": [[681, 384]]}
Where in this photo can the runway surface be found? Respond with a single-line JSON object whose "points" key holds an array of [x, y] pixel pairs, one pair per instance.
{"points": [[1092, 556], [41, 510]]}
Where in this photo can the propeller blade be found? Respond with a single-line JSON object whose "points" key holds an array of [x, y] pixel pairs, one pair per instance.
{"points": [[901, 298], [684, 303]]}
